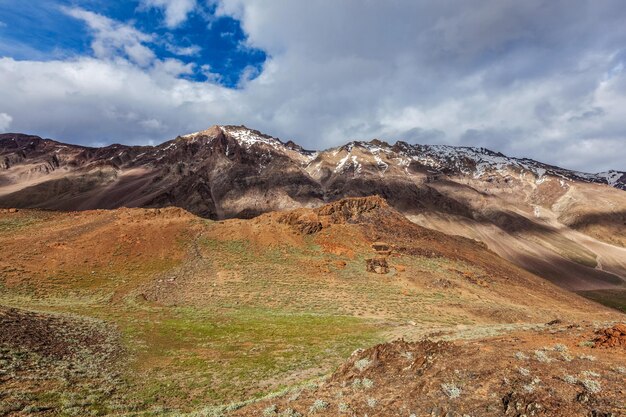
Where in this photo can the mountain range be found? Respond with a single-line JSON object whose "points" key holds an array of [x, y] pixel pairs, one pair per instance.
{"points": [[566, 226]]}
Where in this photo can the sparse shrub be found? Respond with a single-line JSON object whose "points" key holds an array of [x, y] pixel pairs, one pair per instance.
{"points": [[570, 379], [542, 356], [588, 357], [311, 386], [531, 387], [586, 343], [566, 356], [620, 369], [270, 411], [234, 406], [521, 356], [524, 371], [591, 385], [559, 347], [591, 374], [367, 383], [31, 409], [290, 413], [318, 405], [294, 396], [407, 355], [371, 402], [361, 364], [356, 383], [344, 408], [451, 390]]}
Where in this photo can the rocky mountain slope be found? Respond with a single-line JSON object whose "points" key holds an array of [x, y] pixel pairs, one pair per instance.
{"points": [[564, 225], [158, 312], [556, 371], [232, 171]]}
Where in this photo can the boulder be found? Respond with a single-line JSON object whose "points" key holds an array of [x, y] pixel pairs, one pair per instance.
{"points": [[377, 265]]}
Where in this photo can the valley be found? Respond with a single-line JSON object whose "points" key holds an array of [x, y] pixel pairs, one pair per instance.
{"points": [[160, 312]]}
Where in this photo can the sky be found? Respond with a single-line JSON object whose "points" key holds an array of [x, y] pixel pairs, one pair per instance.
{"points": [[543, 79]]}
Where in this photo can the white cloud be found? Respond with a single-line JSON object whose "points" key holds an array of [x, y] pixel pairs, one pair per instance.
{"points": [[5, 122], [91, 100], [173, 68], [540, 78], [176, 11], [112, 38], [184, 50]]}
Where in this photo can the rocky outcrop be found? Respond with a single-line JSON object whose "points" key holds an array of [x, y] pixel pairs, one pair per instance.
{"points": [[345, 211], [305, 223], [612, 337], [379, 264]]}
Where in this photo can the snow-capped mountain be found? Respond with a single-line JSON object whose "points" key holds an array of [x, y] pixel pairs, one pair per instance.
{"points": [[228, 171], [549, 220]]}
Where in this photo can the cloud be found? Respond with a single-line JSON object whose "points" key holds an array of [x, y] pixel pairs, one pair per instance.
{"points": [[541, 78], [5, 122], [113, 39], [176, 11], [93, 101], [183, 50]]}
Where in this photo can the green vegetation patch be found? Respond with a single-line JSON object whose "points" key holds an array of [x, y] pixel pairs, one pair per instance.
{"points": [[610, 298], [188, 356], [18, 222], [182, 358]]}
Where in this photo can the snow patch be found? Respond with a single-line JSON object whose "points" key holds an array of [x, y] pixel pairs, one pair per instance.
{"points": [[247, 138], [342, 163], [611, 177]]}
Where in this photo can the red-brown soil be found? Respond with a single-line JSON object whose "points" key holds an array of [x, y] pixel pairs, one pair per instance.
{"points": [[54, 336], [533, 373]]}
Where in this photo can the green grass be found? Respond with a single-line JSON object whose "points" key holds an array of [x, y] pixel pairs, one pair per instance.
{"points": [[222, 357], [188, 358], [611, 298], [9, 225]]}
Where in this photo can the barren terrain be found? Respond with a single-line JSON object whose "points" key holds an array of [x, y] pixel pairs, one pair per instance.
{"points": [[160, 312]]}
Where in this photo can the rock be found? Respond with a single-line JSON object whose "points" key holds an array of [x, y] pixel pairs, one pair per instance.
{"points": [[377, 265], [303, 222], [382, 248], [612, 337]]}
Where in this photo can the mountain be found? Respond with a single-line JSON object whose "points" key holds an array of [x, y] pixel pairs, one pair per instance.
{"points": [[563, 225], [233, 171]]}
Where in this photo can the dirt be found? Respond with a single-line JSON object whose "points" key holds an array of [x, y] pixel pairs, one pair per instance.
{"points": [[530, 373], [54, 336], [612, 337], [46, 252]]}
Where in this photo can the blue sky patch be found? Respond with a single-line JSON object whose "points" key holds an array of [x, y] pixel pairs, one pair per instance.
{"points": [[42, 30]]}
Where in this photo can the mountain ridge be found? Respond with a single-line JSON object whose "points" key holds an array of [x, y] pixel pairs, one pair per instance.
{"points": [[250, 137], [563, 225]]}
